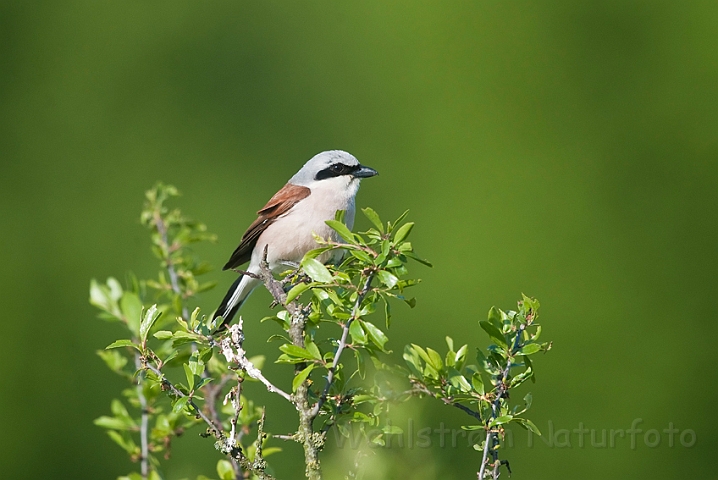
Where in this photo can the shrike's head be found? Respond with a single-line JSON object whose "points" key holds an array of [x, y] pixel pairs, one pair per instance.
{"points": [[333, 169]]}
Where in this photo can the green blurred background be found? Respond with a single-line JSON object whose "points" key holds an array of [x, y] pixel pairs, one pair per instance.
{"points": [[567, 150]]}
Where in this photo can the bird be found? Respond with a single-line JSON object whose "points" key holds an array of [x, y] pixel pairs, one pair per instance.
{"points": [[286, 225]]}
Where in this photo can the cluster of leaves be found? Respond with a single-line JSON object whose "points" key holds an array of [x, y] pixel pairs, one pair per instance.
{"points": [[185, 371], [506, 365], [343, 296], [157, 418]]}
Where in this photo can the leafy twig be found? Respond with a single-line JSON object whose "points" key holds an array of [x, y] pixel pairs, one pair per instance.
{"points": [[311, 441], [169, 265], [214, 429], [224, 444], [421, 388], [234, 353], [212, 393], [500, 393], [144, 423], [343, 343]]}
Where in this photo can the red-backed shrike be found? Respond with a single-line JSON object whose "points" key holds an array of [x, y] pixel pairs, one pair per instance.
{"points": [[326, 183]]}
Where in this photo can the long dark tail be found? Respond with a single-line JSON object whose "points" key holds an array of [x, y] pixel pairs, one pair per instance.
{"points": [[226, 311]]}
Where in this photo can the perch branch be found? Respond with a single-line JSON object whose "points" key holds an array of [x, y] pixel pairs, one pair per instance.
{"points": [[342, 344]]}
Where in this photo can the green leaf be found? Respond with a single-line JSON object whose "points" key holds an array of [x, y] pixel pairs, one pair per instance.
{"points": [[377, 337], [398, 220], [113, 359], [282, 323], [194, 319], [361, 255], [296, 291], [478, 383], [421, 352], [312, 348], [339, 215], [361, 366], [412, 360], [123, 441], [300, 377], [342, 230], [457, 380], [387, 312], [225, 470], [521, 377], [460, 357], [113, 423], [357, 333], [163, 335], [317, 251], [131, 476], [120, 411], [529, 349], [190, 376], [403, 232], [414, 256], [434, 358], [151, 316], [472, 428], [180, 404], [529, 400], [122, 343], [373, 218], [495, 317], [131, 307], [388, 279], [204, 381], [494, 333], [270, 451], [503, 419], [98, 298], [180, 338], [316, 270], [296, 351], [528, 425]]}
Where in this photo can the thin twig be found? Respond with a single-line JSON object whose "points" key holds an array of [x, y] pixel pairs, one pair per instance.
{"points": [[234, 353], [211, 395], [235, 436], [343, 343], [179, 393], [174, 278], [448, 401], [501, 392], [259, 462], [311, 442], [485, 456], [144, 423], [223, 443]]}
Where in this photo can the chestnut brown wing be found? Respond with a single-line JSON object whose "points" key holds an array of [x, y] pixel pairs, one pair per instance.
{"points": [[277, 206]]}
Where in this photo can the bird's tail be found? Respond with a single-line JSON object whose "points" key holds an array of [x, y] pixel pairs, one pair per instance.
{"points": [[235, 297]]}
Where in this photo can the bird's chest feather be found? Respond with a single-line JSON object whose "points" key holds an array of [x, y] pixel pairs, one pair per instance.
{"points": [[292, 235]]}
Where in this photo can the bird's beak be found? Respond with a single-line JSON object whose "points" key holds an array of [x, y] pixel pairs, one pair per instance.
{"points": [[365, 172]]}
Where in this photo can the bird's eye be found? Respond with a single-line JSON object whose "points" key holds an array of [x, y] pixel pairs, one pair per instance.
{"points": [[337, 167]]}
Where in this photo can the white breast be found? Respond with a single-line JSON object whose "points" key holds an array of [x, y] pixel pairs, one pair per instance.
{"points": [[290, 236]]}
